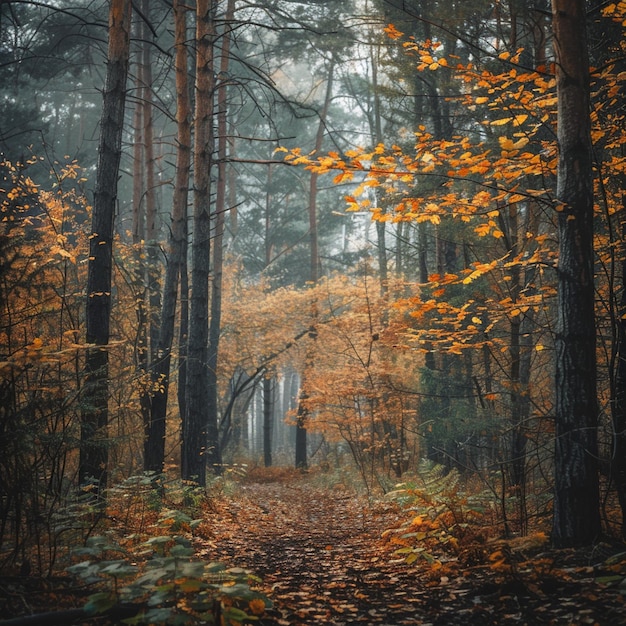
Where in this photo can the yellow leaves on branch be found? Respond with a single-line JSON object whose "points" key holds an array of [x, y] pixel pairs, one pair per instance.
{"points": [[513, 58], [426, 51], [451, 328], [511, 148], [526, 102], [515, 120], [479, 270], [396, 173], [43, 278], [344, 176], [616, 11], [489, 227], [392, 32]]}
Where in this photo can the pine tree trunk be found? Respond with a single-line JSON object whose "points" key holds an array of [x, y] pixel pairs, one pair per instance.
{"points": [[618, 462], [154, 431], [176, 247], [576, 518], [267, 421], [139, 234], [214, 451], [94, 419], [152, 226], [183, 338], [197, 397], [302, 414]]}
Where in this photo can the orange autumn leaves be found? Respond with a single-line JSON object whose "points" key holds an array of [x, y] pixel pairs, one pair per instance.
{"points": [[497, 178], [496, 161], [484, 187]]}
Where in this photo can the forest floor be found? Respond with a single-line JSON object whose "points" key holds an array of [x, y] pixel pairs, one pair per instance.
{"points": [[322, 559], [326, 555]]}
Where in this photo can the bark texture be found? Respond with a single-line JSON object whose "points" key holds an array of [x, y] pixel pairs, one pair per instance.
{"points": [[197, 397], [576, 519], [176, 247], [214, 451], [94, 445]]}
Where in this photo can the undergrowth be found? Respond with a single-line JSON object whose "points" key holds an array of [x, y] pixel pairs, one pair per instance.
{"points": [[141, 556], [441, 519], [451, 530], [274, 474]]}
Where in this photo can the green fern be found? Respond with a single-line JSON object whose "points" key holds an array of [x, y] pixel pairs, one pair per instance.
{"points": [[439, 514], [432, 486]]}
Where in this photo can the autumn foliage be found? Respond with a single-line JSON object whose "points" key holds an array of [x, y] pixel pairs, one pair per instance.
{"points": [[431, 388]]}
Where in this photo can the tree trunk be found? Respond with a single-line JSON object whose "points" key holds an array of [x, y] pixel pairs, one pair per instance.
{"points": [[377, 127], [302, 414], [269, 250], [520, 347], [94, 419], [138, 227], [154, 431], [576, 518], [267, 421], [183, 335], [618, 462], [176, 247], [139, 233], [152, 226], [214, 452], [197, 397]]}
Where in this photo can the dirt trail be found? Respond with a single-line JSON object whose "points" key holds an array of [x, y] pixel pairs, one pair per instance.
{"points": [[320, 556], [317, 552]]}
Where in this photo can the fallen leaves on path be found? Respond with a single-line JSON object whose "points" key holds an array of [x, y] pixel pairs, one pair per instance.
{"points": [[322, 558]]}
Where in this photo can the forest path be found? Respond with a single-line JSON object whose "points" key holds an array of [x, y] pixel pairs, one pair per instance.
{"points": [[316, 549], [320, 555]]}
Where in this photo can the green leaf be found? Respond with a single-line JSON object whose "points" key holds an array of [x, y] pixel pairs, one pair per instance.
{"points": [[616, 558], [240, 591], [609, 580], [158, 615], [86, 570], [237, 615], [153, 575], [96, 545], [429, 557], [193, 569], [159, 597], [159, 541], [183, 541], [215, 567], [180, 551], [118, 569], [132, 591], [100, 602], [189, 585], [202, 602]]}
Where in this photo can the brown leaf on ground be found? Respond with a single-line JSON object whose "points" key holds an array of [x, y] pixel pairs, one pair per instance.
{"points": [[322, 560]]}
